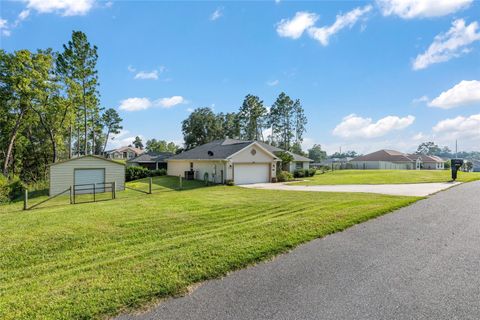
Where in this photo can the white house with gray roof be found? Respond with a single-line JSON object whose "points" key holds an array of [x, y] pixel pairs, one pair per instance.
{"points": [[243, 162], [391, 159]]}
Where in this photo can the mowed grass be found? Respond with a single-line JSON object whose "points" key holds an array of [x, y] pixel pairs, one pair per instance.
{"points": [[93, 260], [386, 177]]}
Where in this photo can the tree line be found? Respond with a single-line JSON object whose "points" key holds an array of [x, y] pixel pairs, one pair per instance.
{"points": [[50, 108], [284, 121]]}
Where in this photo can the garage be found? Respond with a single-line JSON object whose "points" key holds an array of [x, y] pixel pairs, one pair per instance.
{"points": [[247, 173], [86, 178], [85, 172]]}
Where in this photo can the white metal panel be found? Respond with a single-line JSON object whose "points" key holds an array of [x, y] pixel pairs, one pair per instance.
{"points": [[87, 177], [251, 173]]}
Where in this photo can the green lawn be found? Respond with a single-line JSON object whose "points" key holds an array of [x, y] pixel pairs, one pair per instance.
{"points": [[92, 260], [386, 177]]}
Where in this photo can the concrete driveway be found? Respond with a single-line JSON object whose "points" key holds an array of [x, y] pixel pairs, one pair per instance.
{"points": [[419, 262], [413, 189]]}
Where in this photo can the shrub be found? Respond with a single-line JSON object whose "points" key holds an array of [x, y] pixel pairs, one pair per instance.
{"points": [[135, 173], [300, 173], [229, 183], [4, 190], [157, 173], [283, 176], [312, 172]]}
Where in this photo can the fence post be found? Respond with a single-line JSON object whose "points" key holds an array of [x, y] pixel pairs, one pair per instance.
{"points": [[150, 185], [114, 190], [94, 192], [71, 200], [180, 181], [25, 200]]}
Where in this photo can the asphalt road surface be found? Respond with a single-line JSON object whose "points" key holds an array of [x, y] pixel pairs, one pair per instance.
{"points": [[420, 262]]}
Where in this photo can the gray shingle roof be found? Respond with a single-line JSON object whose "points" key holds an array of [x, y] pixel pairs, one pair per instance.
{"points": [[152, 157], [396, 156], [222, 149]]}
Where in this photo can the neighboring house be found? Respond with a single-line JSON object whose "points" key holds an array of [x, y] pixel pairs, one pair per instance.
{"points": [[242, 162], [84, 172], [391, 159], [335, 162], [475, 165], [299, 162], [151, 160], [123, 153]]}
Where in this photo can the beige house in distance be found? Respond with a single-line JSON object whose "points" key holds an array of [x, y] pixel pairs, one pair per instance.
{"points": [[123, 153], [395, 160]]}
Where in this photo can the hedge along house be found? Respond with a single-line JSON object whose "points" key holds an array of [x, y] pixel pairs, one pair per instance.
{"points": [[242, 162], [84, 170]]}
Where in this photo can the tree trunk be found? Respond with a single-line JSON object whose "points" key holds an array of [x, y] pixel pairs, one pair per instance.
{"points": [[70, 142], [85, 119], [11, 143], [106, 141]]}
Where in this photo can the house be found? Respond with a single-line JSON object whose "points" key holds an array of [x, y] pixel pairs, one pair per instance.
{"points": [[151, 160], [242, 162], [475, 165], [391, 159], [123, 153], [85, 172], [333, 163]]}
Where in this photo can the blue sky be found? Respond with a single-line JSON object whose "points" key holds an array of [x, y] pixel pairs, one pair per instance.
{"points": [[370, 74]]}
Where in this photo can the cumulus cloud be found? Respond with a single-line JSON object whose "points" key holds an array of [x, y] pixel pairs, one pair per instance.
{"points": [[137, 104], [451, 44], [4, 29], [144, 75], [122, 139], [170, 102], [409, 9], [62, 7], [342, 21], [294, 28], [460, 127], [353, 126], [218, 13], [464, 93], [420, 99]]}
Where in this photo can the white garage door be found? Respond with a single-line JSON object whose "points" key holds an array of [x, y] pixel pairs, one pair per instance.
{"points": [[251, 173], [84, 178]]}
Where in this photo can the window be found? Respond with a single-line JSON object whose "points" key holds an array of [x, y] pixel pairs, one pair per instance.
{"points": [[298, 165]]}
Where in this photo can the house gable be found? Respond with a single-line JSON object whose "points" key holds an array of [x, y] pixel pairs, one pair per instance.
{"points": [[253, 153]]}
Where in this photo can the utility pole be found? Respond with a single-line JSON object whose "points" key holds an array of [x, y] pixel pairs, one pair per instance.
{"points": [[456, 148]]}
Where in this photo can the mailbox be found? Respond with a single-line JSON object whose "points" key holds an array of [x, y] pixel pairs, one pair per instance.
{"points": [[455, 164]]}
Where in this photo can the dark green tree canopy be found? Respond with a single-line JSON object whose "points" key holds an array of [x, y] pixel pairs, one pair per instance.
{"points": [[137, 143], [201, 126], [251, 117], [316, 153], [154, 145]]}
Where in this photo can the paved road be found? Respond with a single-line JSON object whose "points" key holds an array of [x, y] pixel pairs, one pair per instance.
{"points": [[412, 189], [420, 262]]}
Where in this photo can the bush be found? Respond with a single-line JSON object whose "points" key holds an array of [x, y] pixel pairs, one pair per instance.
{"points": [[135, 173], [284, 176], [312, 172], [229, 183], [157, 173], [10, 190], [300, 173]]}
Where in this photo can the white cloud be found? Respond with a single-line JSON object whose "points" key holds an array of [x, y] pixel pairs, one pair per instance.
{"points": [[131, 68], [63, 7], [218, 13], [353, 126], [170, 102], [295, 27], [24, 15], [137, 104], [460, 127], [420, 99], [348, 19], [409, 9], [144, 75], [4, 30], [449, 45], [122, 139], [464, 93], [273, 83]]}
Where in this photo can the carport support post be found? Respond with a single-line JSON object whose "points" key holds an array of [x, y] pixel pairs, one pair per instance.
{"points": [[25, 200], [114, 190], [150, 185]]}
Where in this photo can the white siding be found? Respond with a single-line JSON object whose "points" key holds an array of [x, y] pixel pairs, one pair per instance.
{"points": [[246, 156], [382, 165], [62, 174], [213, 168]]}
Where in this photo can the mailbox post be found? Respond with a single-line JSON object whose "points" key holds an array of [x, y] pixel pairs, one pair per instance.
{"points": [[455, 165]]}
